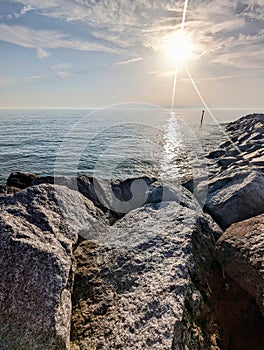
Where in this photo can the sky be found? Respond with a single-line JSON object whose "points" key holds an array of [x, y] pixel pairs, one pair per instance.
{"points": [[92, 53]]}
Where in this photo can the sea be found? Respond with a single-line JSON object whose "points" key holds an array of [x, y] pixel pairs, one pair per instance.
{"points": [[117, 142]]}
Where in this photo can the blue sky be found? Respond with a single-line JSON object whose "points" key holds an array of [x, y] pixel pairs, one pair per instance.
{"points": [[90, 53]]}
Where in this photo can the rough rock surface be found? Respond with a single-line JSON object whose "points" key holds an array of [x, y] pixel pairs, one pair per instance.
{"points": [[39, 227], [241, 253], [20, 180], [235, 191], [244, 144], [233, 196], [116, 198], [136, 285], [4, 189]]}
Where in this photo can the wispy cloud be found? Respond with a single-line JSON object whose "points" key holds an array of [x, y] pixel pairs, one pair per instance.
{"points": [[35, 77], [47, 39], [63, 70], [42, 54], [130, 61], [148, 24], [64, 74], [62, 66]]}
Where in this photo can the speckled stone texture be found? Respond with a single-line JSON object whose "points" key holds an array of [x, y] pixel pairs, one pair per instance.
{"points": [[38, 228], [241, 253], [135, 286]]}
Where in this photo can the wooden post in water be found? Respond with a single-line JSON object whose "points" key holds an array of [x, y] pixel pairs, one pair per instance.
{"points": [[202, 117]]}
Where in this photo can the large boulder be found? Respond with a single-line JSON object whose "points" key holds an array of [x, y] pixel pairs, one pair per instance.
{"points": [[240, 252], [233, 196], [136, 284], [39, 227], [118, 197]]}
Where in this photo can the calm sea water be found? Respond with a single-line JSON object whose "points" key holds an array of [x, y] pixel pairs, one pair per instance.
{"points": [[119, 142]]}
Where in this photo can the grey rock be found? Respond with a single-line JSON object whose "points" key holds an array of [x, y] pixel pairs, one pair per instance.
{"points": [[225, 162], [241, 253], [216, 154], [232, 152], [39, 227], [4, 189], [159, 194], [114, 197], [259, 161], [233, 196], [245, 142], [20, 180], [133, 283], [225, 144]]}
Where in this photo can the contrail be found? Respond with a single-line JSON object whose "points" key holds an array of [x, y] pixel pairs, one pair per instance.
{"points": [[177, 63]]}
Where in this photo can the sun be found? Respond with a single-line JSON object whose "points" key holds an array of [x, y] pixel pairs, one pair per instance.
{"points": [[179, 49]]}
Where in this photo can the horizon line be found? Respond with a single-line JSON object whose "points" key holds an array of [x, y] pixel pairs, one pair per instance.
{"points": [[150, 108]]}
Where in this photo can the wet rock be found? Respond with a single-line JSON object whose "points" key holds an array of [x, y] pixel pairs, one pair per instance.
{"points": [[233, 196], [20, 180], [240, 252], [135, 285], [39, 227]]}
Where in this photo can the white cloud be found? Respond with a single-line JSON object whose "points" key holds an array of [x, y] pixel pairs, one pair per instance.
{"points": [[47, 39], [26, 9], [35, 77], [62, 66], [139, 24], [132, 60], [62, 70], [63, 74], [42, 54]]}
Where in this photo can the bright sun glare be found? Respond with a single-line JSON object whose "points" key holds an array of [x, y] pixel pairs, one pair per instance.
{"points": [[179, 49]]}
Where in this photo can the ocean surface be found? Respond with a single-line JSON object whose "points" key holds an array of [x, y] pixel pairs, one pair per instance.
{"points": [[117, 142]]}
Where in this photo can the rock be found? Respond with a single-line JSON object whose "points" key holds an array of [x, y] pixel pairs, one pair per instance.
{"points": [[244, 142], [4, 189], [233, 196], [259, 161], [249, 123], [251, 155], [233, 152], [136, 284], [114, 197], [20, 180], [225, 162], [240, 252], [216, 154], [225, 144], [160, 194], [39, 227]]}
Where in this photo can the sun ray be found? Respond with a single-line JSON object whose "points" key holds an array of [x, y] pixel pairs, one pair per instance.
{"points": [[177, 62], [207, 107]]}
